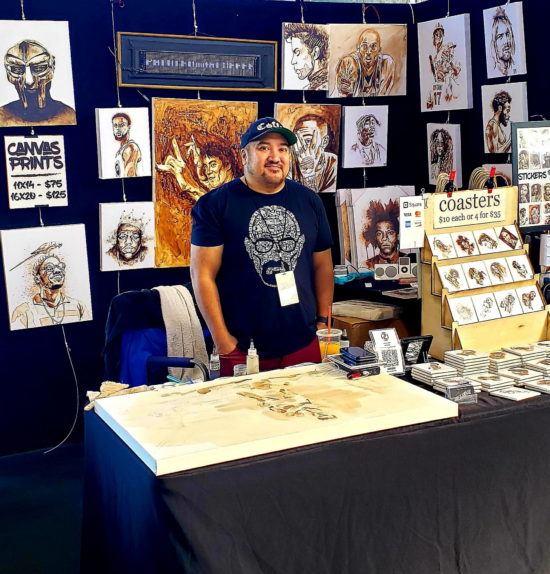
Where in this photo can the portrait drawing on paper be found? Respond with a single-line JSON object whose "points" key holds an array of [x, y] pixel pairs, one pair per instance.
{"points": [[315, 154], [305, 56], [36, 87], [367, 60], [47, 283]]}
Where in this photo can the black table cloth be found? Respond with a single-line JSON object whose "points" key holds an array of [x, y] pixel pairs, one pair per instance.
{"points": [[468, 495]]}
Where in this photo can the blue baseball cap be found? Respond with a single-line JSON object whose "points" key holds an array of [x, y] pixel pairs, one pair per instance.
{"points": [[266, 126]]}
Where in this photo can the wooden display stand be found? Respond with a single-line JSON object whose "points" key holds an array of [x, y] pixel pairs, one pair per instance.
{"points": [[436, 315]]}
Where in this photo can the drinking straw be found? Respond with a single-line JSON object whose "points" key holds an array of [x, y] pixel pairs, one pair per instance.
{"points": [[329, 317]]}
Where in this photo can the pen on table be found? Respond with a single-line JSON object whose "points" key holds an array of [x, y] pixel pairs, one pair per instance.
{"points": [[175, 380]]}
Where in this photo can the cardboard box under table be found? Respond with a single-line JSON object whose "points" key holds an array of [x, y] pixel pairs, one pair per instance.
{"points": [[358, 329], [172, 429]]}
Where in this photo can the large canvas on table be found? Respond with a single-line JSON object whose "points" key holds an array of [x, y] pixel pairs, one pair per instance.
{"points": [[502, 104], [305, 56], [444, 151], [367, 60], [123, 142], [374, 224], [36, 86], [196, 147], [365, 141], [445, 64], [127, 235], [176, 429], [315, 154], [505, 40], [46, 272]]}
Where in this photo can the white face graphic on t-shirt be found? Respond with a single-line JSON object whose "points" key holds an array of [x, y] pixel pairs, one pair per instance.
{"points": [[274, 243]]}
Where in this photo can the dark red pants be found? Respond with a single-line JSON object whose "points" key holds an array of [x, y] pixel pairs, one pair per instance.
{"points": [[309, 354]]}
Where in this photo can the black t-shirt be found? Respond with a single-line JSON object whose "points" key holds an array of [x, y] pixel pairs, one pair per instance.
{"points": [[258, 232]]}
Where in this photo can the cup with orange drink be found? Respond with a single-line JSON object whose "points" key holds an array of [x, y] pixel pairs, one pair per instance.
{"points": [[329, 342]]}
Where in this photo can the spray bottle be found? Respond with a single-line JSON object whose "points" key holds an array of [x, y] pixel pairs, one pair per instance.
{"points": [[252, 360], [214, 364]]}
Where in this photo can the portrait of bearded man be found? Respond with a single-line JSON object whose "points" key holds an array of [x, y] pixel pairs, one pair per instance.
{"points": [[381, 233]]}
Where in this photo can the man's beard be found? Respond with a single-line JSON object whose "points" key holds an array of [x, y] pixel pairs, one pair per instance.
{"points": [[120, 137], [503, 120], [506, 53], [272, 178]]}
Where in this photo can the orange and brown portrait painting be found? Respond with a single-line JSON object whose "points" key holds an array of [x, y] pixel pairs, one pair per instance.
{"points": [[196, 149], [315, 154]]}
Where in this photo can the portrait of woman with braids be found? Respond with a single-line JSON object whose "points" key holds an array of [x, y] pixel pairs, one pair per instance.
{"points": [[441, 153]]}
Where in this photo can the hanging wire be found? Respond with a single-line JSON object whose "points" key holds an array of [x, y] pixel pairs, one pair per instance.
{"points": [[77, 395], [195, 19], [363, 12], [364, 177], [448, 117], [123, 190], [40, 216], [448, 8], [302, 10], [363, 102], [412, 10], [118, 282], [198, 94], [304, 96], [115, 53], [22, 11]]}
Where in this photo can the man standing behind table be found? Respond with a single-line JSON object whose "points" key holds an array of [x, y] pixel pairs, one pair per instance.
{"points": [[253, 239]]}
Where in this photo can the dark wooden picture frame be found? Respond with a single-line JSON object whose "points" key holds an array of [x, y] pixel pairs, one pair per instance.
{"points": [[196, 63]]}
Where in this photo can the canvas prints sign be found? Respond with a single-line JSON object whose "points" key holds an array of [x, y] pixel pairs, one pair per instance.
{"points": [[374, 225], [196, 149], [367, 60], [505, 40], [46, 273], [127, 235], [35, 169], [502, 105], [445, 64], [305, 56], [444, 151], [315, 154], [123, 148], [365, 136], [36, 86]]}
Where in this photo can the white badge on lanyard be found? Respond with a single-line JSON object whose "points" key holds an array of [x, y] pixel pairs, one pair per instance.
{"points": [[286, 285]]}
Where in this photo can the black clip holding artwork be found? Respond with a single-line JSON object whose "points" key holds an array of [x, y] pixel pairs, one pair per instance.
{"points": [[416, 349]]}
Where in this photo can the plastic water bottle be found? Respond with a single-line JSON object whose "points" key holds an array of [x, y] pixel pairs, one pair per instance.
{"points": [[214, 366]]}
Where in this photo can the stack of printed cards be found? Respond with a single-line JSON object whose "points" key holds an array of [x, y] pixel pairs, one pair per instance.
{"points": [[490, 382], [527, 353], [541, 365], [441, 385], [499, 360], [542, 385], [521, 375], [429, 372], [467, 362], [544, 345], [515, 394]]}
